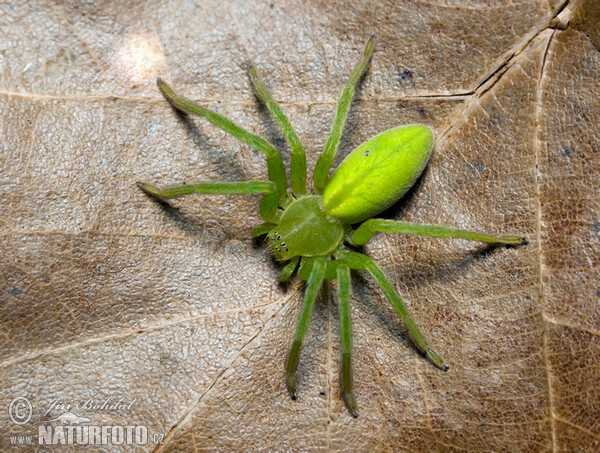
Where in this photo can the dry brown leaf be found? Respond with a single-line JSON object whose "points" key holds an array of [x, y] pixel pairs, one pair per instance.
{"points": [[105, 293]]}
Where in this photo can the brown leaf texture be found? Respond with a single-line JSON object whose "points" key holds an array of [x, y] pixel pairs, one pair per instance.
{"points": [[105, 293]]}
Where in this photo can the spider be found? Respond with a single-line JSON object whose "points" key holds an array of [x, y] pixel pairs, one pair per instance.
{"points": [[319, 233]]}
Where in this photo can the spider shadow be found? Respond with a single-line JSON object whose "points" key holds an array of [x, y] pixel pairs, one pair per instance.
{"points": [[189, 224], [260, 242], [273, 134], [348, 139], [226, 164], [417, 272], [384, 313], [276, 137]]}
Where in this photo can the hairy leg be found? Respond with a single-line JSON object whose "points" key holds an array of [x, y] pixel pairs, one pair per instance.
{"points": [[209, 187], [323, 165], [365, 232], [363, 262], [298, 156], [344, 297], [289, 269], [268, 206], [317, 274], [275, 166], [263, 228]]}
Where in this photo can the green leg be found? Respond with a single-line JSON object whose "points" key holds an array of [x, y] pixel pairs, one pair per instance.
{"points": [[263, 228], [315, 280], [268, 206], [275, 166], [289, 269], [344, 295], [365, 232], [209, 187], [298, 164], [306, 266], [321, 174], [363, 262]]}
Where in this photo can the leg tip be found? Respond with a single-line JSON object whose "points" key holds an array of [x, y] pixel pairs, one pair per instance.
{"points": [[351, 405], [165, 89], [435, 358], [162, 85], [512, 240], [369, 46], [149, 189], [291, 385]]}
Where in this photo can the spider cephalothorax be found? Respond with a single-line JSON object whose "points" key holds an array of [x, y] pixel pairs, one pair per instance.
{"points": [[312, 230]]}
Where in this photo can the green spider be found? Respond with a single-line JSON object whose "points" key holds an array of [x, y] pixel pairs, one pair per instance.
{"points": [[312, 230]]}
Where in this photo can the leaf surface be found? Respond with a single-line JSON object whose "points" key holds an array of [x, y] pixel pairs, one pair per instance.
{"points": [[107, 294]]}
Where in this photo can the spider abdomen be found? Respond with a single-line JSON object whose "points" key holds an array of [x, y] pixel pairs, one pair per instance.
{"points": [[377, 173], [305, 229]]}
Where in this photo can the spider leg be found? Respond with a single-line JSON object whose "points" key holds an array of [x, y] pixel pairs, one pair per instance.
{"points": [[365, 232], [363, 262], [344, 297], [263, 228], [298, 156], [325, 160], [268, 206], [289, 269], [275, 167], [317, 274]]}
